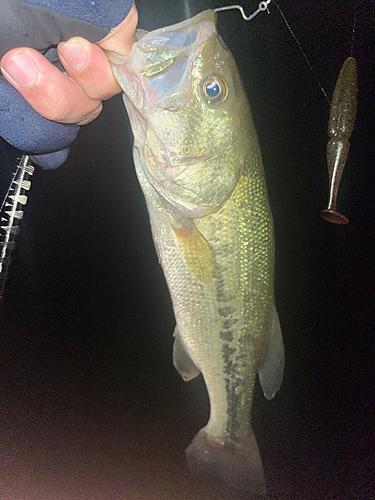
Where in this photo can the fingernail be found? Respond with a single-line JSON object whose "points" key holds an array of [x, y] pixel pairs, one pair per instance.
{"points": [[21, 70], [73, 53]]}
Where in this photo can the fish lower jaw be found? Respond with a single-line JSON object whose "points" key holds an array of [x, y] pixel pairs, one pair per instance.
{"points": [[237, 464]]}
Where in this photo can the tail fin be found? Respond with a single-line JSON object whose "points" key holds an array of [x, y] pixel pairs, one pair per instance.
{"points": [[237, 464]]}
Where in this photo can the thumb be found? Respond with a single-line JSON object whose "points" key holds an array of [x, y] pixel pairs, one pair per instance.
{"points": [[121, 38]]}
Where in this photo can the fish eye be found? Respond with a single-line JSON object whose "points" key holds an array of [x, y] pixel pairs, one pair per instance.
{"points": [[215, 89]]}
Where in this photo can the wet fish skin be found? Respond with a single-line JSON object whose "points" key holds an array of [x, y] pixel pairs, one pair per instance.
{"points": [[200, 168]]}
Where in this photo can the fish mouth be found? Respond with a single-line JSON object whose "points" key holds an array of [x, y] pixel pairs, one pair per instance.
{"points": [[192, 160], [182, 185], [178, 162], [157, 150]]}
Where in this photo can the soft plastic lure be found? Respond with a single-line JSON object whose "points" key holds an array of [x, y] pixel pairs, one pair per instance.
{"points": [[11, 213], [340, 128]]}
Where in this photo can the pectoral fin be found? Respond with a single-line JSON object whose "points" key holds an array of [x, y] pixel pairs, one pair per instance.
{"points": [[196, 251], [271, 372], [181, 359]]}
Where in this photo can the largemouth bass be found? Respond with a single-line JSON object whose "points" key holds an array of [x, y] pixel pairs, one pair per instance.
{"points": [[199, 164]]}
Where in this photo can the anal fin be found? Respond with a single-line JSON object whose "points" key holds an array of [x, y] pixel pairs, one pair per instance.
{"points": [[181, 359], [272, 370]]}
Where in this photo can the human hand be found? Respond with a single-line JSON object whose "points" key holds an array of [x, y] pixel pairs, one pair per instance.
{"points": [[74, 98]]}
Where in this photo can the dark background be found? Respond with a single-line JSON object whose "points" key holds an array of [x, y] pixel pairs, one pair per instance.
{"points": [[91, 407]]}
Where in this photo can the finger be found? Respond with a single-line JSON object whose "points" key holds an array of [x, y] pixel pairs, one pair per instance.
{"points": [[50, 92], [122, 37], [88, 66]]}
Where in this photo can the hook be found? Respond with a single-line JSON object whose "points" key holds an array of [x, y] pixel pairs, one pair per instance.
{"points": [[261, 7]]}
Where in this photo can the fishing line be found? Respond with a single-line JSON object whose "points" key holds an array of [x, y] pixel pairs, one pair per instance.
{"points": [[302, 51], [263, 6], [187, 9], [353, 31]]}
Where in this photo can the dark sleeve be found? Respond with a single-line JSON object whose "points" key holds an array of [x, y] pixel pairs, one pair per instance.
{"points": [[41, 25]]}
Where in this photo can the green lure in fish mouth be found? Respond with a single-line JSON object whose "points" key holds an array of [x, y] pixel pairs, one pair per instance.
{"points": [[198, 161]]}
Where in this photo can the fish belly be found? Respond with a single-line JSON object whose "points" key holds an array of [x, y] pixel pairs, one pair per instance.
{"points": [[225, 325]]}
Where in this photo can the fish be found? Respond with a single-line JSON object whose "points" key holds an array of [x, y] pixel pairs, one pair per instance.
{"points": [[340, 127], [198, 162]]}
